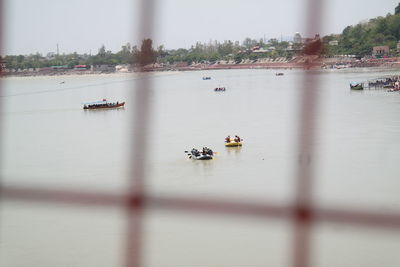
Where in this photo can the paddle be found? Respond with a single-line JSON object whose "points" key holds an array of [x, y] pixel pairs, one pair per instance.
{"points": [[189, 154]]}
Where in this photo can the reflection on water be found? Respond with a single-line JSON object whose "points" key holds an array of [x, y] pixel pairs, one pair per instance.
{"points": [[204, 168], [233, 150]]}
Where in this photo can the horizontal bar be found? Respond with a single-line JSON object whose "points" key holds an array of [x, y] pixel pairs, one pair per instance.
{"points": [[219, 206], [201, 206], [357, 217]]}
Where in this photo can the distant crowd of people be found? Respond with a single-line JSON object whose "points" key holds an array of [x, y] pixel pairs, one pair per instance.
{"points": [[101, 105], [393, 82]]}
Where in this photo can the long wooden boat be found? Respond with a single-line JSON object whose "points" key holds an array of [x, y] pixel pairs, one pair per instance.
{"points": [[104, 104]]}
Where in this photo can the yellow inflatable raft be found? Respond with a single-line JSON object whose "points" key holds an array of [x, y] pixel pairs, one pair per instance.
{"points": [[232, 144]]}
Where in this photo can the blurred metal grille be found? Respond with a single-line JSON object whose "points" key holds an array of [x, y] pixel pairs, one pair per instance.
{"points": [[301, 213]]}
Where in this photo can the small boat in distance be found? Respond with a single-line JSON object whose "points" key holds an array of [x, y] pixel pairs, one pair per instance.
{"points": [[207, 78], [103, 104], [356, 86], [205, 154], [279, 74], [233, 142]]}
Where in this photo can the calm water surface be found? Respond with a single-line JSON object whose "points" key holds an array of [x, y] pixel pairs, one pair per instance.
{"points": [[49, 141]]}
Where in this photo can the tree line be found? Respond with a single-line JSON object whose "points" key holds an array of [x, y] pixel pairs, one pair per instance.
{"points": [[146, 54], [361, 38], [354, 40]]}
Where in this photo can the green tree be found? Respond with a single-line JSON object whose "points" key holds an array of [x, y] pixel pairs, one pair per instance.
{"points": [[147, 55], [124, 56], [102, 51], [247, 43]]}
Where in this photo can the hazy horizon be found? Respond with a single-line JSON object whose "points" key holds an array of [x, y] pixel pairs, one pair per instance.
{"points": [[84, 26]]}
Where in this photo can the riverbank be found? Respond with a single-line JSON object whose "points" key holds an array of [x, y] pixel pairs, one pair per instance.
{"points": [[301, 62]]}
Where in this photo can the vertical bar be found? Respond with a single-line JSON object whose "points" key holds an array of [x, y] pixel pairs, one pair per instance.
{"points": [[141, 110], [1, 92], [303, 216]]}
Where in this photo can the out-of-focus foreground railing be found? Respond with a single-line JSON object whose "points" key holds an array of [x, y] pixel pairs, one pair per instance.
{"points": [[302, 212]]}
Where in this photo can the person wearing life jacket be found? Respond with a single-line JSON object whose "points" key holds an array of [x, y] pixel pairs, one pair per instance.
{"points": [[195, 152], [228, 139], [237, 139]]}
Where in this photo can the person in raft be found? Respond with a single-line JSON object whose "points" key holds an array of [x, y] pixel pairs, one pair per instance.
{"points": [[237, 139]]}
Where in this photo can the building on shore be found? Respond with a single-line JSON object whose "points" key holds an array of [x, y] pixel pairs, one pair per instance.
{"points": [[333, 42], [102, 68], [297, 39], [81, 67], [380, 51]]}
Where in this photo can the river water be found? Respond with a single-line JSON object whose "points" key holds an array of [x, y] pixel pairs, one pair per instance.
{"points": [[49, 141]]}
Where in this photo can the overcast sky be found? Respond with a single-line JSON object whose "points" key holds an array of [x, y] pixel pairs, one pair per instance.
{"points": [[84, 25]]}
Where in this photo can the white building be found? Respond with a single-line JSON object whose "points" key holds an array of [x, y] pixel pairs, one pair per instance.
{"points": [[297, 39], [334, 42]]}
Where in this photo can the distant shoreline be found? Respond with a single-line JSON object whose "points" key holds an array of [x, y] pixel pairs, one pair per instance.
{"points": [[300, 63], [88, 74]]}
